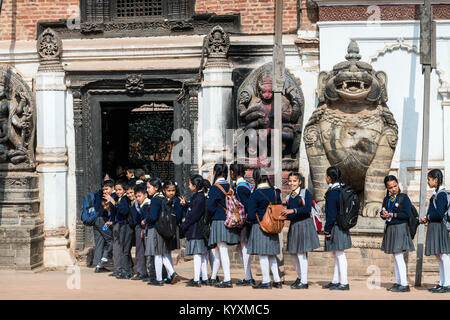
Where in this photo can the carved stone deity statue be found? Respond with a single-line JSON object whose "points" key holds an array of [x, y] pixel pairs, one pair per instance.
{"points": [[255, 110], [352, 129], [17, 119]]}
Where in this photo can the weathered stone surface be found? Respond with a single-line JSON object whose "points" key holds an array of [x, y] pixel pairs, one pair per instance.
{"points": [[352, 129]]}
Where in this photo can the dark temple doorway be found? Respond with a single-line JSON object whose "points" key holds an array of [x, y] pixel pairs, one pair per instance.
{"points": [[137, 135]]}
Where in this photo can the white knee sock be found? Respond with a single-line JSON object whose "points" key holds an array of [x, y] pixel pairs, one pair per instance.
{"points": [[246, 261], [264, 263], [396, 272], [303, 267], [158, 267], [274, 268], [336, 269], [342, 260], [225, 260], [197, 266], [215, 263], [446, 266], [167, 261], [441, 270], [401, 268], [296, 264], [204, 266]]}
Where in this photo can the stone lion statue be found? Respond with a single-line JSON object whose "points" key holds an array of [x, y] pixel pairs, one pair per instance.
{"points": [[352, 129]]}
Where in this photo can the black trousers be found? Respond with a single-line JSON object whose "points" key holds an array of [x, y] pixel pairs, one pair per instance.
{"points": [[116, 247], [141, 267], [102, 242], [126, 241]]}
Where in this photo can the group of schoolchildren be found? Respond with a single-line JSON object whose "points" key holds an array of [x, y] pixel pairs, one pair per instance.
{"points": [[131, 209]]}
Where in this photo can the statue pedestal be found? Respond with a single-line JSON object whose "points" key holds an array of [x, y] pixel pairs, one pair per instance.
{"points": [[21, 224]]}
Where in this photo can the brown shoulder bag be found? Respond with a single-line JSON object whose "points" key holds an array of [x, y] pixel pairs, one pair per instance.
{"points": [[273, 221]]}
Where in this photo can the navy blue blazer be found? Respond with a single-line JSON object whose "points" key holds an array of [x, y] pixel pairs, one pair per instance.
{"points": [[257, 204], [243, 195], [401, 209], [331, 209], [122, 210], [436, 213], [302, 211], [139, 213], [216, 201], [156, 209], [195, 212]]}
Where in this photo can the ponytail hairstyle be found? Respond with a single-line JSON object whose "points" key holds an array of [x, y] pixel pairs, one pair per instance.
{"points": [[299, 177], [155, 182], [335, 174], [436, 174], [260, 177], [238, 170], [221, 170], [388, 179], [197, 181], [169, 183], [206, 186]]}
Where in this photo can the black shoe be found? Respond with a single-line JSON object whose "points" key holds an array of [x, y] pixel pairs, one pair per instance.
{"points": [[244, 283], [300, 286], [100, 270], [205, 282], [262, 286], [394, 287], [138, 277], [193, 283], [277, 285], [174, 278], [213, 282], [442, 289], [147, 279], [114, 274], [341, 287], [224, 284], [296, 283], [156, 283], [401, 289], [434, 288], [125, 276], [330, 285]]}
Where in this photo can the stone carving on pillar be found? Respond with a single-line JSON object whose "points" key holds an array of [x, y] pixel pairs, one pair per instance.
{"points": [[352, 129], [217, 44], [49, 47], [17, 119], [255, 111], [134, 84]]}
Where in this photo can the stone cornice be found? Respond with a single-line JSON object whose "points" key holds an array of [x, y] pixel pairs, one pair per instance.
{"points": [[323, 3]]}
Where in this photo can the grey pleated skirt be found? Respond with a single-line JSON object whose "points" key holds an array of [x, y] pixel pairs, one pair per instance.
{"points": [[339, 241], [195, 246], [220, 233], [263, 243], [155, 244], [437, 240], [302, 237], [397, 239]]}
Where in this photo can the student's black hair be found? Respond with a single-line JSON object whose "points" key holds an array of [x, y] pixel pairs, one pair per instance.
{"points": [[169, 183], [156, 182], [390, 178], [122, 183], [199, 183], [260, 177], [206, 185], [139, 173], [437, 174], [108, 183], [238, 170], [130, 170], [221, 170], [299, 177], [129, 185], [140, 188], [335, 174]]}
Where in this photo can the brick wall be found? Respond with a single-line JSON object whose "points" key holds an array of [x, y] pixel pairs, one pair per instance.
{"points": [[257, 17], [18, 18]]}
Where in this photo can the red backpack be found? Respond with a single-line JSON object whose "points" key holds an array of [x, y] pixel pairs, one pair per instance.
{"points": [[315, 212], [235, 212]]}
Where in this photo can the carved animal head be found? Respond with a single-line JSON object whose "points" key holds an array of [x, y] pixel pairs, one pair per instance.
{"points": [[265, 86], [352, 81]]}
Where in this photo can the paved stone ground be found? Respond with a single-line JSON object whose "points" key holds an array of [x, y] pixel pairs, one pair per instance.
{"points": [[55, 285]]}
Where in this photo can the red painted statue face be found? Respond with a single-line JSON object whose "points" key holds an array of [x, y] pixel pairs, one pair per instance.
{"points": [[265, 86]]}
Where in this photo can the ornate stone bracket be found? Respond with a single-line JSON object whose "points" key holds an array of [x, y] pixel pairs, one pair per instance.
{"points": [[49, 48]]}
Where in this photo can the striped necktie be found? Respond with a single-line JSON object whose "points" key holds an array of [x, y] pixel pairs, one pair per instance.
{"points": [[293, 194]]}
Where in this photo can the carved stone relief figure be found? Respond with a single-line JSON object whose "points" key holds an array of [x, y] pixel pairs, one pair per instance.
{"points": [[352, 129]]}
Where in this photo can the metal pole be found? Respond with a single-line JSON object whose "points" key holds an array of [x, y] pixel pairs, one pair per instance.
{"points": [[427, 51]]}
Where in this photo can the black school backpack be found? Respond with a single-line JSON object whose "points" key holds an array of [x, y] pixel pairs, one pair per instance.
{"points": [[88, 213], [204, 224], [348, 208], [166, 225]]}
